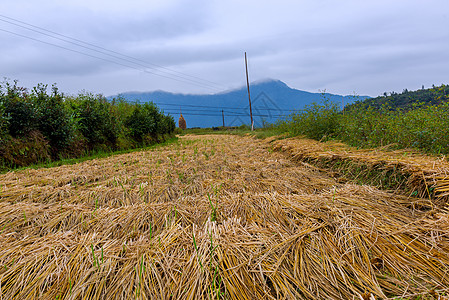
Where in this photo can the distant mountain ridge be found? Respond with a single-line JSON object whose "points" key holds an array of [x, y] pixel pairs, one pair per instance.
{"points": [[271, 100]]}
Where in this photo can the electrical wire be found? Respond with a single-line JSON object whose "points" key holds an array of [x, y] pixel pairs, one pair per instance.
{"points": [[99, 47], [219, 112], [93, 56], [129, 59], [219, 107], [140, 67], [226, 114]]}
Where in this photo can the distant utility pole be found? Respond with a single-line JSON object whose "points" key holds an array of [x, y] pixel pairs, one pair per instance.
{"points": [[222, 114], [249, 95]]}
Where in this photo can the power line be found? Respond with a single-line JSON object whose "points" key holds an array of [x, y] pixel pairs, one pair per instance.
{"points": [[228, 113], [99, 47], [219, 107], [219, 114], [98, 51], [131, 60], [93, 56], [182, 77], [225, 111]]}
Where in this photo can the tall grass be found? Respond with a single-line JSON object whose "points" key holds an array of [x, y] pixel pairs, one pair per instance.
{"points": [[423, 128]]}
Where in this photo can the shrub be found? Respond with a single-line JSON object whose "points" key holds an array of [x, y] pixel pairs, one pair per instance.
{"points": [[4, 119], [25, 150], [168, 124], [422, 127], [363, 127], [94, 118], [52, 119], [18, 109], [38, 126], [316, 121], [145, 120]]}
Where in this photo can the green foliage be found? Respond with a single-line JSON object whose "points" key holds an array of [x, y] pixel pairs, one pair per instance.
{"points": [[145, 120], [36, 126], [146, 123], [423, 127], [168, 124], [18, 108], [52, 119], [408, 100], [4, 118], [316, 121], [93, 116]]}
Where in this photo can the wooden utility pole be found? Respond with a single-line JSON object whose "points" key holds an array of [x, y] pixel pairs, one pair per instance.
{"points": [[222, 114], [249, 95]]}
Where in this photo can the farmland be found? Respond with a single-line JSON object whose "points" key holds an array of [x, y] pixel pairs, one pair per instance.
{"points": [[227, 217]]}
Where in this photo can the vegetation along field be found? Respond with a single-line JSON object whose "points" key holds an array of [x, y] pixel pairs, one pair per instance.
{"points": [[228, 217]]}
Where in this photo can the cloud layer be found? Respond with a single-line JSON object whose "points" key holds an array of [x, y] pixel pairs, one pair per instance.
{"points": [[366, 47]]}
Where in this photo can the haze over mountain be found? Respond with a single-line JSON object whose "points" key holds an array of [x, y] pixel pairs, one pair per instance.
{"points": [[271, 100]]}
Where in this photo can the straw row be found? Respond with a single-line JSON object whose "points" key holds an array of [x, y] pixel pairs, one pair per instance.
{"points": [[405, 170]]}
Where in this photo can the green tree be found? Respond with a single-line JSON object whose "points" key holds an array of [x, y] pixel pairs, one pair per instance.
{"points": [[4, 119], [94, 118], [52, 118], [145, 120], [18, 108]]}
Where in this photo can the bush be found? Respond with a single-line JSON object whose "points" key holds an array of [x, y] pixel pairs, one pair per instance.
{"points": [[145, 120], [18, 108], [168, 124], [52, 119], [316, 121], [4, 119], [363, 127], [93, 116], [423, 127], [23, 151], [38, 126]]}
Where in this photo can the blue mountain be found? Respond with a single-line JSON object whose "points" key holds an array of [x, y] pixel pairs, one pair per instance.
{"points": [[270, 101]]}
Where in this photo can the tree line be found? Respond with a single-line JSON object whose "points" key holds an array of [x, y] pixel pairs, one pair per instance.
{"points": [[407, 100], [39, 125]]}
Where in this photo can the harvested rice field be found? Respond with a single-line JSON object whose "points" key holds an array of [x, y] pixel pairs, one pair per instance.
{"points": [[217, 217]]}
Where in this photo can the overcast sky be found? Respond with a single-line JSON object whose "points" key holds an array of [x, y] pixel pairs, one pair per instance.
{"points": [[197, 46]]}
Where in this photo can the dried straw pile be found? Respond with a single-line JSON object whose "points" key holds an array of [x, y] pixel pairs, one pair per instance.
{"points": [[212, 217], [182, 123], [416, 174]]}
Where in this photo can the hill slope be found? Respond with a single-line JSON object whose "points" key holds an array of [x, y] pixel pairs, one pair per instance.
{"points": [[409, 99], [271, 100]]}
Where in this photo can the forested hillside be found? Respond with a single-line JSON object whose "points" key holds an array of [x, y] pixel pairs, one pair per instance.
{"points": [[408, 99]]}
